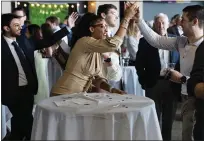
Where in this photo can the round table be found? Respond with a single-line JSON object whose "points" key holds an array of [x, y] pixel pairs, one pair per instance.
{"points": [[96, 116]]}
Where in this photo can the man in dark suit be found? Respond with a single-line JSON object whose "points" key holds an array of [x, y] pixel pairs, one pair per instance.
{"points": [[19, 80], [176, 29], [194, 86], [149, 63]]}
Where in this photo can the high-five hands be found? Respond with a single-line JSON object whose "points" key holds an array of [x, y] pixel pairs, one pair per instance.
{"points": [[131, 10], [137, 12]]}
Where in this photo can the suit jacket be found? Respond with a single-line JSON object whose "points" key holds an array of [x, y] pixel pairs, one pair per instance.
{"points": [[9, 70], [147, 64], [197, 73], [173, 30]]}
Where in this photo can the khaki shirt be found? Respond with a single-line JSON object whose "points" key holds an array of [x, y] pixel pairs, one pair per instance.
{"points": [[84, 63]]}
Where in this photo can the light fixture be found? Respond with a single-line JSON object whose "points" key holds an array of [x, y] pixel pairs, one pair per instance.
{"points": [[92, 4], [18, 3], [72, 6], [25, 5], [61, 6], [67, 5], [84, 6], [50, 6], [32, 5], [38, 4], [78, 4], [55, 6], [43, 6]]}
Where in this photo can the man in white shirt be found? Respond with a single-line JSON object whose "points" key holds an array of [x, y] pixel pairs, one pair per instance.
{"points": [[112, 68], [192, 24]]}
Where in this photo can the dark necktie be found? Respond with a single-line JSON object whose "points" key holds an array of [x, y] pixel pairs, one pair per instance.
{"points": [[24, 62]]}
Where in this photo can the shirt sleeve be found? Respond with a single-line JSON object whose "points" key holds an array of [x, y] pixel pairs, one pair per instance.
{"points": [[103, 45], [132, 47], [161, 42]]}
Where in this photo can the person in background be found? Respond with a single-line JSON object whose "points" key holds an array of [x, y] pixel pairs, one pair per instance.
{"points": [[176, 29], [74, 17], [133, 37], [19, 79], [149, 64], [20, 12], [84, 65], [27, 23], [33, 33], [112, 69], [195, 88], [193, 27]]}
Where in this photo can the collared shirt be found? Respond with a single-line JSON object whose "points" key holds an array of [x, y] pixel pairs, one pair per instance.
{"points": [[187, 51], [22, 77]]}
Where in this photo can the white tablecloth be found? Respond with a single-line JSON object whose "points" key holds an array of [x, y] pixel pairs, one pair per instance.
{"points": [[130, 82], [106, 117], [5, 120]]}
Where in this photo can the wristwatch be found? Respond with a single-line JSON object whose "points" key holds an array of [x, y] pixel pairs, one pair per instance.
{"points": [[183, 79], [108, 60]]}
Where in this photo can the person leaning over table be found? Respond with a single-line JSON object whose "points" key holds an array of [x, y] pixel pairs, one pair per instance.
{"points": [[85, 63]]}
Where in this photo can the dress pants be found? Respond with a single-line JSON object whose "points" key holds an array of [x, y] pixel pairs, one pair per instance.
{"points": [[21, 109], [166, 105]]}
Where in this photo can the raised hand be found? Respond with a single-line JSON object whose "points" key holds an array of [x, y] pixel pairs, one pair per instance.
{"points": [[71, 19], [131, 10]]}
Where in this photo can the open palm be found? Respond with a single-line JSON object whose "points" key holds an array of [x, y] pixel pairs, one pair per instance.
{"points": [[71, 19]]}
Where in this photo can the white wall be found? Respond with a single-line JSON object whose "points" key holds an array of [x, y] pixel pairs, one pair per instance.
{"points": [[5, 7]]}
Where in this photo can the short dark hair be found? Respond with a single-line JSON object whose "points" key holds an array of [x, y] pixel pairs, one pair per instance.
{"points": [[195, 11], [53, 19], [18, 9], [82, 28], [46, 31], [105, 8], [6, 20], [175, 17], [34, 31]]}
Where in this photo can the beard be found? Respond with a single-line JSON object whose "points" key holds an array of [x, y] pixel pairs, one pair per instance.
{"points": [[15, 34]]}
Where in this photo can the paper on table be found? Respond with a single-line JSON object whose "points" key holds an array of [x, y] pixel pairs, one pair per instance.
{"points": [[62, 103], [78, 100], [82, 101]]}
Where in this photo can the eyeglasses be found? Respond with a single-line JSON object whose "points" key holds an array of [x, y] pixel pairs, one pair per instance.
{"points": [[101, 26]]}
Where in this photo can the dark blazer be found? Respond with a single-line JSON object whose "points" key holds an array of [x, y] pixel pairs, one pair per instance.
{"points": [[173, 30], [148, 64], [197, 73], [9, 70], [197, 76]]}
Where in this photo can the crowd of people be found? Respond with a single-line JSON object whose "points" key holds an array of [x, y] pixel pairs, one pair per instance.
{"points": [[83, 54]]}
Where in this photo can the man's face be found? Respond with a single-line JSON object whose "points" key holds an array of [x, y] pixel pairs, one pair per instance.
{"points": [[161, 25], [111, 17], [186, 24], [21, 15], [14, 29]]}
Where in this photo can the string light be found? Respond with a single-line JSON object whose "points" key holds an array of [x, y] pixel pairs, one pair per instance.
{"points": [[38, 4], [72, 6], [84, 6], [32, 5], [61, 6], [55, 6], [50, 6], [78, 4], [18, 3], [25, 5], [43, 6], [67, 5]]}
